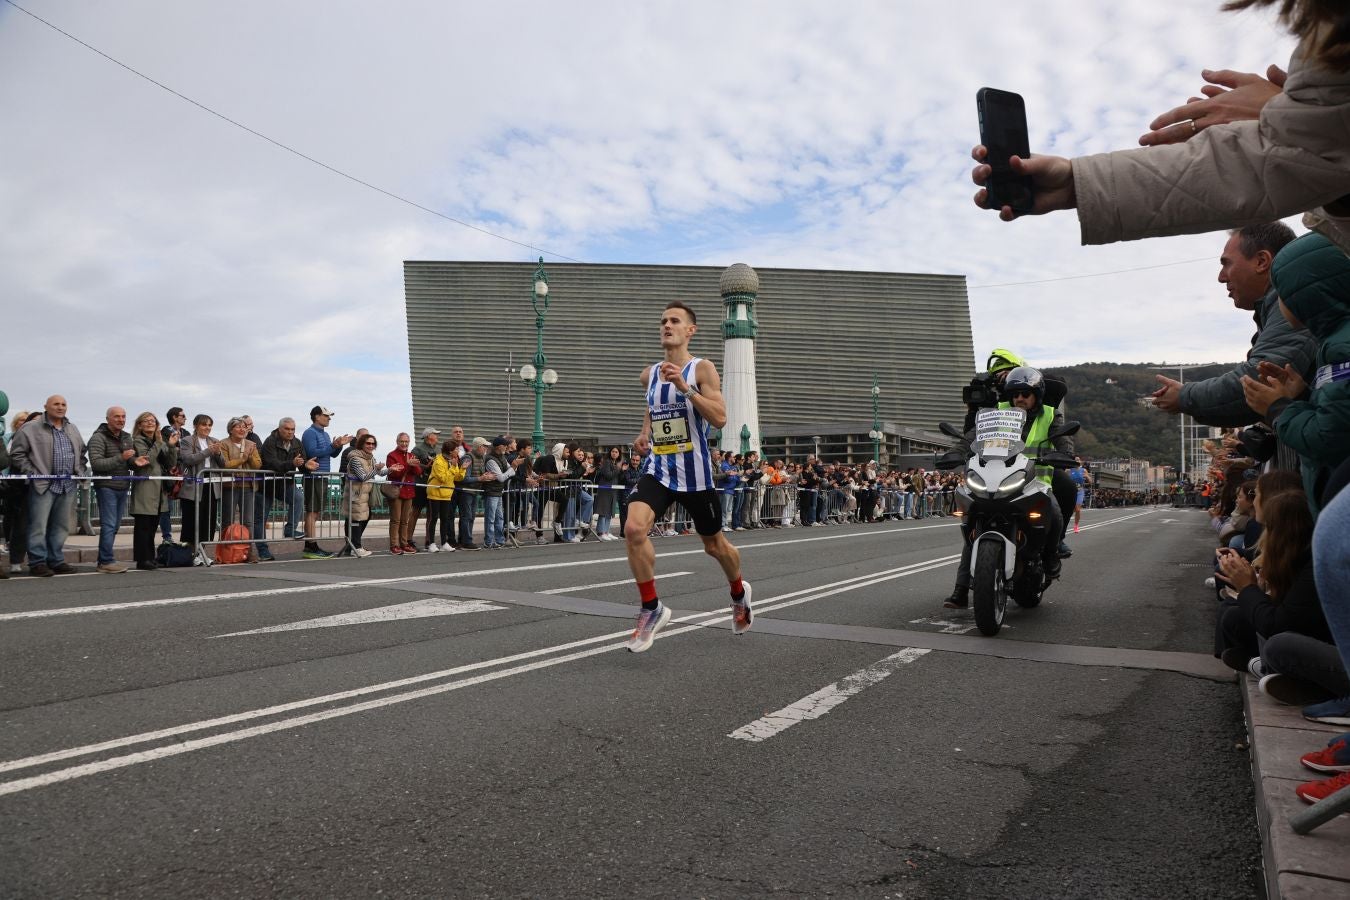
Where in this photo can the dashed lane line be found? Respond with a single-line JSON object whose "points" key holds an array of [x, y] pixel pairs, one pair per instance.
{"points": [[813, 706], [710, 618]]}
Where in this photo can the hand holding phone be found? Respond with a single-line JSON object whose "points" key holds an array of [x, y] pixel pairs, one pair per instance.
{"points": [[1003, 133]]}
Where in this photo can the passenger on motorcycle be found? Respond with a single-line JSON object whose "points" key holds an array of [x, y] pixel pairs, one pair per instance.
{"points": [[1023, 388]]}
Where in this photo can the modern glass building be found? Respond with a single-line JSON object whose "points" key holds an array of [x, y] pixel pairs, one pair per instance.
{"points": [[822, 336]]}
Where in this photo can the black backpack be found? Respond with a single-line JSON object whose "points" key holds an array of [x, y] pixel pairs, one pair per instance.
{"points": [[172, 556]]}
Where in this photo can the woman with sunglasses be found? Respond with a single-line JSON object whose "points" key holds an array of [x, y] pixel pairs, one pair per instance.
{"points": [[356, 487]]}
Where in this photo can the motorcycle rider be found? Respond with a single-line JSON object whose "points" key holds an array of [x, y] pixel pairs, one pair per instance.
{"points": [[1024, 388]]}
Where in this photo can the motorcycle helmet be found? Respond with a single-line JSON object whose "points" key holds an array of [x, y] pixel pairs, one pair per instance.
{"points": [[1002, 360], [1025, 378]]}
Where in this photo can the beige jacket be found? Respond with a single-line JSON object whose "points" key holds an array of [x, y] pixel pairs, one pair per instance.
{"points": [[1295, 159]]}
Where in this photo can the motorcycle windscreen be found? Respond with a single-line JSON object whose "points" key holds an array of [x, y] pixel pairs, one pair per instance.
{"points": [[998, 433]]}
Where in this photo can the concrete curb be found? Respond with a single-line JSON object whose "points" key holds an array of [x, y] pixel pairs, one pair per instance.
{"points": [[1296, 866]]}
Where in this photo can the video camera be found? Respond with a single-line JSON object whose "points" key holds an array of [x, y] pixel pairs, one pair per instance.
{"points": [[983, 391]]}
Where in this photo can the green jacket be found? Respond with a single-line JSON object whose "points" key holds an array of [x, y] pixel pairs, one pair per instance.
{"points": [[1219, 400], [147, 497], [1313, 278]]}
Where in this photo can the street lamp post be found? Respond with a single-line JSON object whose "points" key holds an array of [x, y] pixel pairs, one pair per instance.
{"points": [[511, 370], [1181, 377], [876, 434], [536, 376]]}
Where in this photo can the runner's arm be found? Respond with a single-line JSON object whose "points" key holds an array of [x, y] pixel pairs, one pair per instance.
{"points": [[708, 400], [643, 442]]}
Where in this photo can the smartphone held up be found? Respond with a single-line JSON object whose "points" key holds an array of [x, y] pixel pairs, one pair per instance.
{"points": [[1003, 132]]}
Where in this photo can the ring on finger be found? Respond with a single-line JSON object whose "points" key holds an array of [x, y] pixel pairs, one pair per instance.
{"points": [[1195, 128]]}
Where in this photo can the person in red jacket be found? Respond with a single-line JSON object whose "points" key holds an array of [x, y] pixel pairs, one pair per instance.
{"points": [[403, 466]]}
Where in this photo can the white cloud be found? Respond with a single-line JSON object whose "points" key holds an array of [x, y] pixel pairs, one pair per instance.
{"points": [[155, 255]]}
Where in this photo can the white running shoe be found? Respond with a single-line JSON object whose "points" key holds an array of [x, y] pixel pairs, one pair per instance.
{"points": [[669, 532], [361, 552], [649, 622], [447, 547], [742, 616], [432, 548]]}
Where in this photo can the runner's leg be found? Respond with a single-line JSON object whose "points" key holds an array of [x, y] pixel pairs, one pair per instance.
{"points": [[641, 553]]}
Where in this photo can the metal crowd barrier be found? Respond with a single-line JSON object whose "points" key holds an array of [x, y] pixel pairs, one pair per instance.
{"points": [[271, 506]]}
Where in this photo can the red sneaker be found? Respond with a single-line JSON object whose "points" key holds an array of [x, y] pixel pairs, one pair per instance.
{"points": [[1335, 757], [409, 548], [1312, 791], [397, 551]]}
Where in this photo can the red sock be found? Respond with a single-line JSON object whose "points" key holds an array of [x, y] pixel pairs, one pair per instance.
{"points": [[737, 589], [647, 590]]}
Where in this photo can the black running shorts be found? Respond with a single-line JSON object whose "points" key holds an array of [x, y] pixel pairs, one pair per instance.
{"points": [[704, 507], [316, 492]]}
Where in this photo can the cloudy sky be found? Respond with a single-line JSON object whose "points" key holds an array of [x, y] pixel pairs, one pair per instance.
{"points": [[153, 254]]}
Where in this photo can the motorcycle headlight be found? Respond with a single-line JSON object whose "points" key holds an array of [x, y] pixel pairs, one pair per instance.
{"points": [[1013, 483], [975, 482]]}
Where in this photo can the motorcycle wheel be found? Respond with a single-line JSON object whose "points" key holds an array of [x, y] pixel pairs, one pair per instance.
{"points": [[989, 591], [1028, 593]]}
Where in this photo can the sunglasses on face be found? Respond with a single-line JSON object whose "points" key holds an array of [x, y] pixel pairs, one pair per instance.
{"points": [[1016, 394]]}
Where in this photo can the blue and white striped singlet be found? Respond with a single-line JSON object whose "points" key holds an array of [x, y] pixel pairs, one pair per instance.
{"points": [[677, 429]]}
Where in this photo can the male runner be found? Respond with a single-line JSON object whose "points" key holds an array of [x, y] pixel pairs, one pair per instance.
{"points": [[684, 398]]}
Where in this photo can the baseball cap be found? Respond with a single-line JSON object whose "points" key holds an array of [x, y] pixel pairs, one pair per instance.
{"points": [[427, 431], [320, 411], [480, 442], [500, 441]]}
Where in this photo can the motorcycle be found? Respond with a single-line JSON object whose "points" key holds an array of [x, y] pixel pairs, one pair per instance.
{"points": [[1007, 510]]}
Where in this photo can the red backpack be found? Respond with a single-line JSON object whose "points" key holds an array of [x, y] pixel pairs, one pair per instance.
{"points": [[228, 554]]}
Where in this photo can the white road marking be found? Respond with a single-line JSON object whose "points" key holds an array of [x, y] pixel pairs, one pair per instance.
{"points": [[377, 582], [418, 609], [763, 607], [948, 626], [813, 706], [587, 587], [710, 618], [1147, 512]]}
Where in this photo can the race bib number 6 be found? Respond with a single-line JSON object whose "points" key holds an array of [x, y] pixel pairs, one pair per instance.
{"points": [[670, 431]]}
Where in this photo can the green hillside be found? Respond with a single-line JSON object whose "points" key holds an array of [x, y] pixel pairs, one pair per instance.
{"points": [[1104, 397]]}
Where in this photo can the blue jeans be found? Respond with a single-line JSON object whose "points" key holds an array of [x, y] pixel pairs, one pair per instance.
{"points": [[1331, 565], [165, 526], [494, 525], [112, 506], [570, 517], [48, 526], [295, 510], [466, 505]]}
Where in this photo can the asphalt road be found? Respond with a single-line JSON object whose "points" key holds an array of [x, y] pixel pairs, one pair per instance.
{"points": [[860, 741]]}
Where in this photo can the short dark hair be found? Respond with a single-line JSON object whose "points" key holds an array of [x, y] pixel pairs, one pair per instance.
{"points": [[173, 411], [1268, 236], [680, 304]]}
